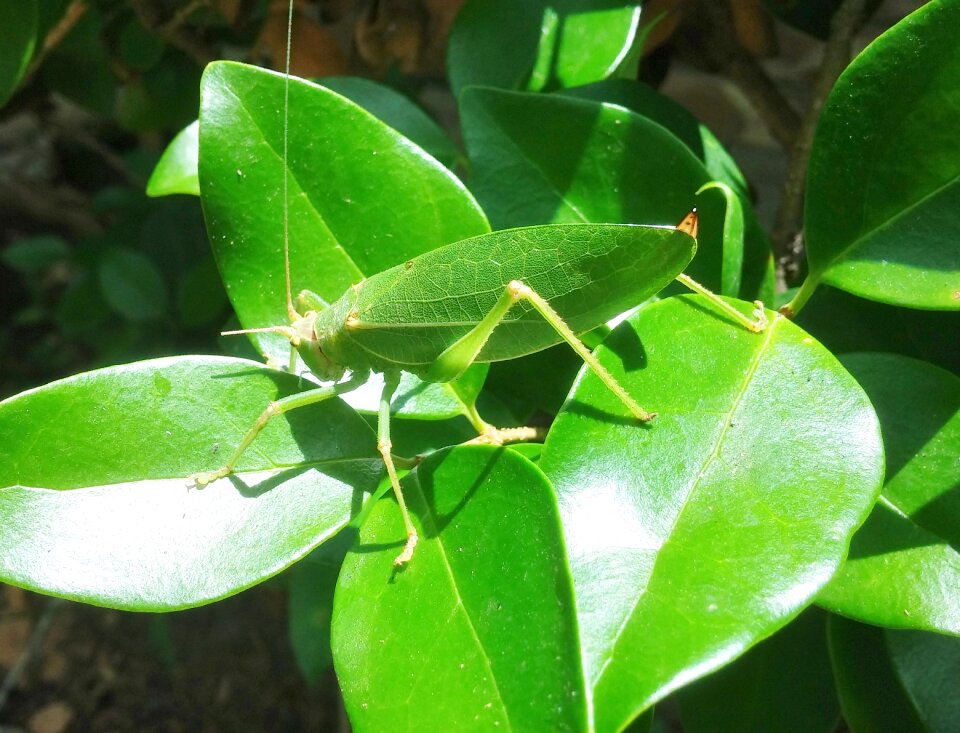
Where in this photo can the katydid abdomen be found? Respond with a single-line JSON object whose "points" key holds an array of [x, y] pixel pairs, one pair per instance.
{"points": [[407, 316]]}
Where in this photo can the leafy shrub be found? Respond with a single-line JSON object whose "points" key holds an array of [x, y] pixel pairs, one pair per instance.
{"points": [[574, 584]]}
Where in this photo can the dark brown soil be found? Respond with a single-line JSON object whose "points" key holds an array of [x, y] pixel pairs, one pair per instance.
{"points": [[225, 667]]}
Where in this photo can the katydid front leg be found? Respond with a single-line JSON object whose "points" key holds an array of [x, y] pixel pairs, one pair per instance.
{"points": [[452, 362], [279, 407]]}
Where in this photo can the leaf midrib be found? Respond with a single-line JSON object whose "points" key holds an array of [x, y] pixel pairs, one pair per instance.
{"points": [[428, 519], [864, 237]]}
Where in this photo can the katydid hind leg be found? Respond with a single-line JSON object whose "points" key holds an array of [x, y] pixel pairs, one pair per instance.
{"points": [[691, 225], [457, 357], [391, 380]]}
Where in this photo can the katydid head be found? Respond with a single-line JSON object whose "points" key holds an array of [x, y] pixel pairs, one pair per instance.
{"points": [[302, 334], [305, 340]]}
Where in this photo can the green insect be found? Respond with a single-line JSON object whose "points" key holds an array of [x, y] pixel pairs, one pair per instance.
{"points": [[494, 297]]}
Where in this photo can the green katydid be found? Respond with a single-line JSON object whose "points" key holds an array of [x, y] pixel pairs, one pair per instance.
{"points": [[494, 297]]}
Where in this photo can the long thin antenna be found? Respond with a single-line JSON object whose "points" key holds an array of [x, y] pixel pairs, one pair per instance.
{"points": [[291, 311]]}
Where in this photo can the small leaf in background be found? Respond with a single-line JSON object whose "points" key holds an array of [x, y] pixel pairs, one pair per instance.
{"points": [[883, 190], [139, 48], [897, 681], [201, 300], [132, 285], [782, 685], [18, 21], [398, 111], [176, 171], [545, 45], [478, 630], [904, 564], [164, 97], [362, 197], [694, 537], [79, 67], [114, 521], [731, 268], [35, 254]]}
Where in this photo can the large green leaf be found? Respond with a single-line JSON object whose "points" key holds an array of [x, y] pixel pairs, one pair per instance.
{"points": [[695, 536], [478, 631], [362, 197], [18, 21], [895, 681], [883, 192], [98, 505], [176, 171], [544, 45], [782, 685], [648, 102], [538, 159], [904, 564]]}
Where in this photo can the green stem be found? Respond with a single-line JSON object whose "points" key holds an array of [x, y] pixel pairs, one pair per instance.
{"points": [[791, 309]]}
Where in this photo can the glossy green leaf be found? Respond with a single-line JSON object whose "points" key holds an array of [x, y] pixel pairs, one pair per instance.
{"points": [[132, 285], [312, 583], [782, 685], [478, 631], [883, 191], [895, 681], [362, 197], [398, 111], [18, 30], [731, 268], [696, 536], [545, 45], [845, 323], [648, 102], [176, 171], [98, 506], [904, 564], [539, 159]]}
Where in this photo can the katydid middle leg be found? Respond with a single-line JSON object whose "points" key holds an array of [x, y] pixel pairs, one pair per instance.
{"points": [[391, 380]]}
